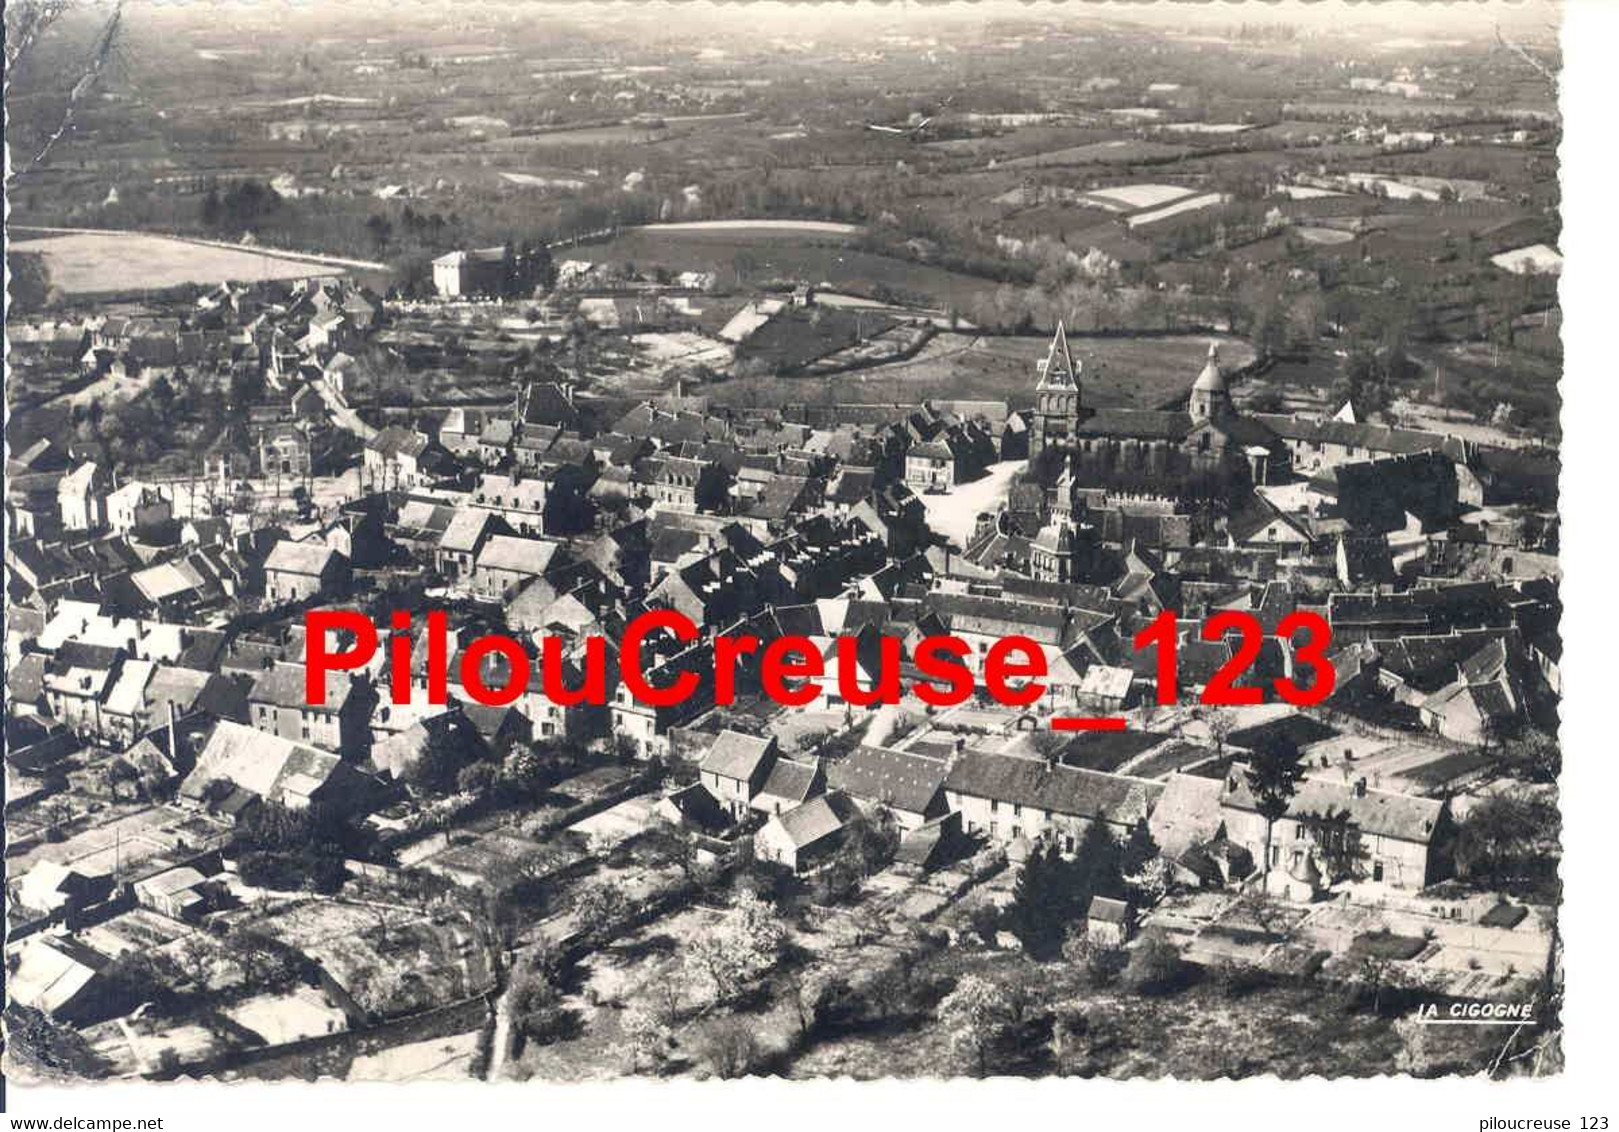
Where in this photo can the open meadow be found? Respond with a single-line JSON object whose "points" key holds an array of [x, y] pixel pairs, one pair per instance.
{"points": [[85, 264], [1138, 372]]}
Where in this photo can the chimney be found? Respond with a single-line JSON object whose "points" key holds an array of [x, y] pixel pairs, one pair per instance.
{"points": [[174, 737]]}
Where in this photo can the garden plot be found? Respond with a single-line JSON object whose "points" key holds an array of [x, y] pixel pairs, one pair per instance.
{"points": [[619, 823], [436, 1059], [390, 959], [682, 347], [532, 181], [1124, 198], [136, 930], [283, 1018]]}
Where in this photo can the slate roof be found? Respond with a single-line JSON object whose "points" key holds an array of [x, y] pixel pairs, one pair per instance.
{"points": [[816, 820], [465, 530], [1148, 424], [1385, 814], [998, 617], [896, 778], [1188, 812], [1349, 434], [283, 685], [25, 680], [1108, 910], [735, 755], [261, 764], [306, 558], [520, 555], [789, 780], [1060, 789]]}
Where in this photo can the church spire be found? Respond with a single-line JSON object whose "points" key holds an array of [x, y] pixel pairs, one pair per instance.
{"points": [[1058, 371]]}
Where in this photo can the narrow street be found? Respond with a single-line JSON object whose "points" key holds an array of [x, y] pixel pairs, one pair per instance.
{"points": [[344, 417]]}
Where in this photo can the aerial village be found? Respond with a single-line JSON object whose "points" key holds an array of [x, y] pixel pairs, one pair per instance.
{"points": [[211, 876], [1046, 326]]}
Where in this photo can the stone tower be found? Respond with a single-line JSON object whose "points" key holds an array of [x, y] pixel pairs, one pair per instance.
{"points": [[1211, 400], [1057, 401]]}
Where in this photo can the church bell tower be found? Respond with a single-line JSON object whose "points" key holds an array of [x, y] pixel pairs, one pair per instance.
{"points": [[1057, 400]]}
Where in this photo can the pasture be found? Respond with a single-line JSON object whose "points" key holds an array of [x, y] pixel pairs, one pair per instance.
{"points": [[743, 257], [1137, 372], [83, 264], [1121, 151]]}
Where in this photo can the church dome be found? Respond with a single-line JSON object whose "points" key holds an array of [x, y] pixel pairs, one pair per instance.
{"points": [[1211, 380]]}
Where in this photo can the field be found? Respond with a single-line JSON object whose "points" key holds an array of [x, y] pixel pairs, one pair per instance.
{"points": [[1534, 259], [1121, 151], [1139, 372], [761, 229], [84, 264], [1126, 197], [1190, 204], [1315, 235], [758, 256]]}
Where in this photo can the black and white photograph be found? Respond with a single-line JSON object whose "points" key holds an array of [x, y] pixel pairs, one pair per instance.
{"points": [[568, 542]]}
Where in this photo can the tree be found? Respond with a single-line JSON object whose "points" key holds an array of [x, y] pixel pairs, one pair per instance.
{"points": [[197, 955], [1100, 963], [816, 996], [535, 1003], [871, 840], [1040, 898], [525, 769], [1155, 964], [1097, 866], [1150, 883], [265, 961], [477, 778], [1508, 840], [1531, 757], [665, 843], [728, 1047], [976, 1015], [1220, 724], [601, 906], [1272, 776], [744, 945], [1139, 850], [647, 1035]]}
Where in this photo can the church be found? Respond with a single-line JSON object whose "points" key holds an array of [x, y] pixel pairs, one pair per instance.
{"points": [[1206, 450]]}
